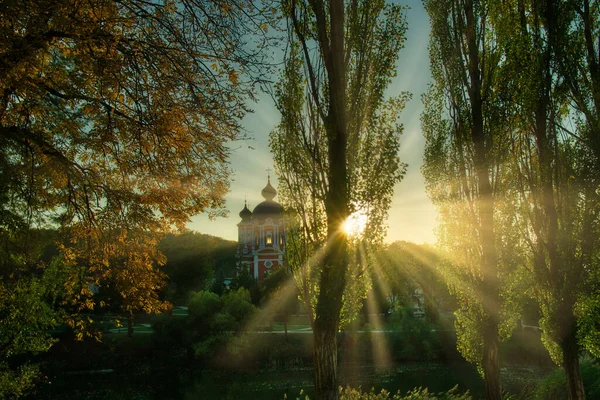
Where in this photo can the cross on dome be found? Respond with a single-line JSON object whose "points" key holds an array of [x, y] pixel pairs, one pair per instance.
{"points": [[269, 191]]}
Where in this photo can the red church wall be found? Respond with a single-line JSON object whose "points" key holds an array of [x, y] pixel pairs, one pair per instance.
{"points": [[267, 255]]}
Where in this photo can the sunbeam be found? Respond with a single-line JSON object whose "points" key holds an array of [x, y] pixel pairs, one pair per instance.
{"points": [[379, 341], [298, 279]]}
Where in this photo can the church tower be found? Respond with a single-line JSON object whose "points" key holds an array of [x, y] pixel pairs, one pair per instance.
{"points": [[261, 235]]}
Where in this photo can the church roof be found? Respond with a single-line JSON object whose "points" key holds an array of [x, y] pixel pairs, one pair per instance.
{"points": [[268, 207], [269, 191], [245, 214]]}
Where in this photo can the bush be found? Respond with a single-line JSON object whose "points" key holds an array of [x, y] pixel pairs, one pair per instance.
{"points": [[554, 386], [223, 322], [415, 394], [204, 304], [238, 304], [413, 338]]}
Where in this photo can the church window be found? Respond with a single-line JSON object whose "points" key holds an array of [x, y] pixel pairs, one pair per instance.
{"points": [[269, 238], [268, 264]]}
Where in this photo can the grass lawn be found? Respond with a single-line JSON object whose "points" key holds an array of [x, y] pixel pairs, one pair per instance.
{"points": [[278, 327], [137, 328]]}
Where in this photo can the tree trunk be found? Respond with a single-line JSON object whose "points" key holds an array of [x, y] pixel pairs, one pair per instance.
{"points": [[491, 363], [547, 161], [333, 273], [329, 306], [332, 280], [130, 325], [482, 140], [325, 363], [570, 350]]}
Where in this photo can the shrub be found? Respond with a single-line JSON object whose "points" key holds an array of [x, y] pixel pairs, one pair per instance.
{"points": [[238, 304], [415, 394], [214, 321], [223, 322], [204, 304], [413, 338]]}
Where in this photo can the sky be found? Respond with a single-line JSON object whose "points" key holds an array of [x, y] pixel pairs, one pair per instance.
{"points": [[412, 216]]}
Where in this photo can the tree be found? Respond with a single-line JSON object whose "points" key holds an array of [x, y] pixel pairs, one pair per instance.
{"points": [[556, 172], [464, 123], [578, 65], [114, 120], [127, 101], [335, 151]]}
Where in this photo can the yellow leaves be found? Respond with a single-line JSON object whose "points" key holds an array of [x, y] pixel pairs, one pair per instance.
{"points": [[89, 304], [121, 115], [225, 7], [233, 77], [170, 7]]}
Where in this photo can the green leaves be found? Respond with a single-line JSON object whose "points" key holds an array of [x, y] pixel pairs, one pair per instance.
{"points": [[375, 33]]}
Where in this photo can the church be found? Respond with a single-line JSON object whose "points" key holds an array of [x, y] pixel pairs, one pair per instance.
{"points": [[262, 236]]}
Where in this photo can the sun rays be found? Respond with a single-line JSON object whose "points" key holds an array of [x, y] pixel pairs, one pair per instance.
{"points": [[384, 271]]}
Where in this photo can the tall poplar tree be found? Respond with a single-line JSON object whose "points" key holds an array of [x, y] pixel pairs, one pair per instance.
{"points": [[579, 54], [336, 150], [556, 166], [465, 124]]}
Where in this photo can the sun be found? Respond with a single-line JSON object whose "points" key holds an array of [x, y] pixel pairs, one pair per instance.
{"points": [[356, 223]]}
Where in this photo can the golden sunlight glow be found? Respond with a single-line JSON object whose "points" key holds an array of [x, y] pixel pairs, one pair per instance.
{"points": [[356, 223]]}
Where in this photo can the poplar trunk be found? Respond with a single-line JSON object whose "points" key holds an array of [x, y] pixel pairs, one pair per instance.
{"points": [[570, 350], [325, 363], [491, 363], [333, 273], [482, 140]]}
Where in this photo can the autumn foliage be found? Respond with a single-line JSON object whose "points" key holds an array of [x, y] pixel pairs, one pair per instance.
{"points": [[114, 123]]}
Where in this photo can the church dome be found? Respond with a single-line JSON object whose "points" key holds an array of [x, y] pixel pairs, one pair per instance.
{"points": [[245, 214], [269, 191], [268, 207]]}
